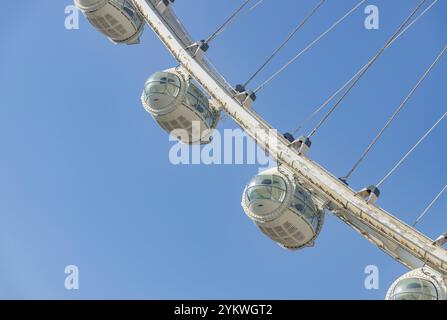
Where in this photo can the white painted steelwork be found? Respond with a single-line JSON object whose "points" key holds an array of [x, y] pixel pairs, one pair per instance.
{"points": [[399, 240]]}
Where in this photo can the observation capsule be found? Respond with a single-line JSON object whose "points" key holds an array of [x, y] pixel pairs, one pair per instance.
{"points": [[180, 107], [117, 19], [283, 209], [419, 284]]}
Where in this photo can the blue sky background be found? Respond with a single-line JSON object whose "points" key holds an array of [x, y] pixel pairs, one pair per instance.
{"points": [[85, 177]]}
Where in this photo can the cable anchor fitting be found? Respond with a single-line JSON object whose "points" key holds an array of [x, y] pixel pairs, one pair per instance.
{"points": [[198, 48], [441, 240], [302, 144], [245, 97], [163, 5], [369, 194]]}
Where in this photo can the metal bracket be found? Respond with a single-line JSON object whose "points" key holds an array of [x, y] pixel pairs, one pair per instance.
{"points": [[441, 240], [370, 194], [302, 144], [246, 97], [198, 48], [162, 5]]}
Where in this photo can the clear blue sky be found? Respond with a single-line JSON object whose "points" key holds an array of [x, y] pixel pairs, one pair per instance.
{"points": [[85, 177]]}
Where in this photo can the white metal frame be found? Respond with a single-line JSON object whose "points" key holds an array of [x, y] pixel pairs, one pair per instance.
{"points": [[399, 240]]}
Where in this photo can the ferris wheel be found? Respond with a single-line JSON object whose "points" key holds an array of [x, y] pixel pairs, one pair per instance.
{"points": [[286, 203]]}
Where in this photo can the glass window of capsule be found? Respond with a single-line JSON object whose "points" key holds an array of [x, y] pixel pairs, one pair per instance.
{"points": [[302, 203], [415, 289], [162, 83], [130, 10], [199, 102], [266, 187]]}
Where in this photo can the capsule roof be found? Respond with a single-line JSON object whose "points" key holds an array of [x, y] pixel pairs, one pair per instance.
{"points": [[419, 284], [89, 5], [415, 289]]}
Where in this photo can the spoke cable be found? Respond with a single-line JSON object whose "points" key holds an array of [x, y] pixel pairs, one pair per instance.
{"points": [[224, 25], [236, 18], [309, 46], [429, 207], [317, 110], [399, 163], [289, 37], [367, 67], [394, 115]]}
